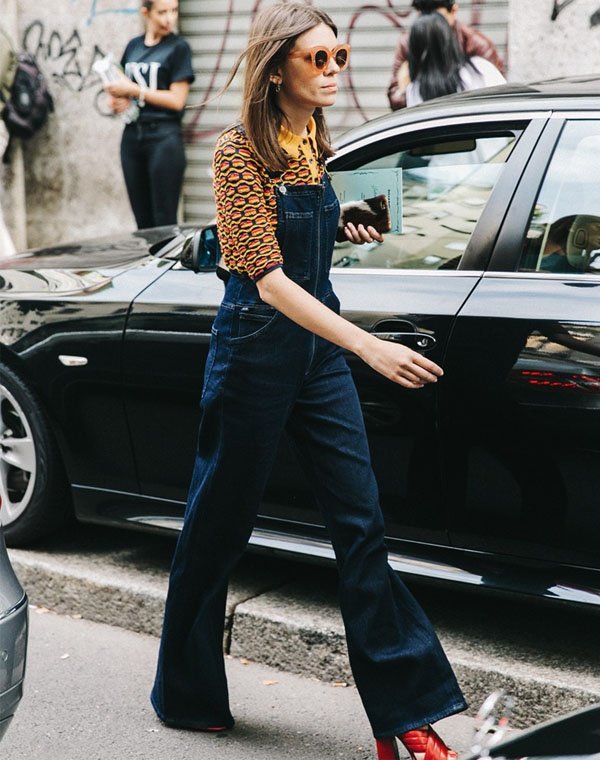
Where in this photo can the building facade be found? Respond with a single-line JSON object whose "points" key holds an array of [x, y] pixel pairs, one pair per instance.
{"points": [[66, 182]]}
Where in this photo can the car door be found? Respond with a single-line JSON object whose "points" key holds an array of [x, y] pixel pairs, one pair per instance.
{"points": [[165, 348], [456, 177], [520, 406]]}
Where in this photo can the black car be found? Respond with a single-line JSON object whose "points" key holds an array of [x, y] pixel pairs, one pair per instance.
{"points": [[13, 638], [490, 478]]}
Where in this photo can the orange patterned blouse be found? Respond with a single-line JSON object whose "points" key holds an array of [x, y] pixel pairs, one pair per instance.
{"points": [[245, 197]]}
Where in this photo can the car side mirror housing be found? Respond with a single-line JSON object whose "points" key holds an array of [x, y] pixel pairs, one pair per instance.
{"points": [[201, 252]]}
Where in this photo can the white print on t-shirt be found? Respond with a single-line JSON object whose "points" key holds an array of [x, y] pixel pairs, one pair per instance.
{"points": [[145, 74]]}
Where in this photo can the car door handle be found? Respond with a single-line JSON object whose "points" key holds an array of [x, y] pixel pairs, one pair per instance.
{"points": [[421, 341]]}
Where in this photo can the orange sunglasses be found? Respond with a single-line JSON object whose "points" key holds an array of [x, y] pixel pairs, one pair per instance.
{"points": [[320, 56]]}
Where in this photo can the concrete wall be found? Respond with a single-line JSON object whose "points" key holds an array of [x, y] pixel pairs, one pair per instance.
{"points": [[73, 180], [542, 48], [12, 179]]}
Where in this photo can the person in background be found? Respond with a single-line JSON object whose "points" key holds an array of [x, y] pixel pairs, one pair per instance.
{"points": [[7, 71], [554, 257], [437, 66], [276, 362], [471, 42], [7, 247], [158, 65]]}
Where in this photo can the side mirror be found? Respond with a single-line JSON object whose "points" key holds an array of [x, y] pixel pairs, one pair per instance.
{"points": [[201, 252], [492, 723]]}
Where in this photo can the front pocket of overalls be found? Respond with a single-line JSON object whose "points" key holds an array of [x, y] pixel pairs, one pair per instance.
{"points": [[296, 244], [251, 321]]}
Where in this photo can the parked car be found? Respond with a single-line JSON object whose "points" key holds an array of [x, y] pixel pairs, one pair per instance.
{"points": [[489, 478], [13, 637]]}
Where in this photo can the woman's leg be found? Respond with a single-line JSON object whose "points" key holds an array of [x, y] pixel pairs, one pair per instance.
{"points": [[244, 408], [401, 671], [136, 176], [166, 166]]}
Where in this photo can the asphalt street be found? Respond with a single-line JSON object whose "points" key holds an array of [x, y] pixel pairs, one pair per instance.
{"points": [[86, 698], [284, 615]]}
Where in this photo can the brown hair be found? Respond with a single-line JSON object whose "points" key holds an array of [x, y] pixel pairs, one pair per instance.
{"points": [[272, 36]]}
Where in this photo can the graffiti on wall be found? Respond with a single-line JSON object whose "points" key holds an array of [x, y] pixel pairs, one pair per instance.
{"points": [[68, 62], [65, 60], [561, 5], [103, 8]]}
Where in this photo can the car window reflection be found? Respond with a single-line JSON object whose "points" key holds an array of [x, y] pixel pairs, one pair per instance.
{"points": [[445, 187], [563, 235]]}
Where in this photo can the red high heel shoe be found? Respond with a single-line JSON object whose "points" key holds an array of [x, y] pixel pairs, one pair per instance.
{"points": [[423, 744]]}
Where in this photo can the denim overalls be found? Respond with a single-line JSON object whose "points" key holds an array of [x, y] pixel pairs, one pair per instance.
{"points": [[264, 373]]}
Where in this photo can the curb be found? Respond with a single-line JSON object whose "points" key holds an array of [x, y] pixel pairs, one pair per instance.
{"points": [[295, 626]]}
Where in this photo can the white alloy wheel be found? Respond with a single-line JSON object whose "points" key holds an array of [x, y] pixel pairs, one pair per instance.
{"points": [[17, 458]]}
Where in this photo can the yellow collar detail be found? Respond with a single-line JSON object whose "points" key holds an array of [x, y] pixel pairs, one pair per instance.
{"points": [[303, 148], [296, 145]]}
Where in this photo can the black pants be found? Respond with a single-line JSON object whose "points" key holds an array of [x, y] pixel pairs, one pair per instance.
{"points": [[153, 161]]}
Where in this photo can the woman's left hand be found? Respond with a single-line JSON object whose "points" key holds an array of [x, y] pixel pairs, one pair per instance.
{"points": [[118, 105], [362, 234]]}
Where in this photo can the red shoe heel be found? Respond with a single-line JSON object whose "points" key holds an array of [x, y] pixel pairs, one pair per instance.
{"points": [[425, 744], [387, 749]]}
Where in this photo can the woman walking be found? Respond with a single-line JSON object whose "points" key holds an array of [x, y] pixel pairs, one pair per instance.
{"points": [[275, 362], [158, 65], [437, 65]]}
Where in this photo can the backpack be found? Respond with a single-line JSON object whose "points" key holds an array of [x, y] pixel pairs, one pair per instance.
{"points": [[8, 65], [26, 109]]}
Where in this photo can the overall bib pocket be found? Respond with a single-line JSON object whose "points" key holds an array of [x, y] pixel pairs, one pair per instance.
{"points": [[297, 229]]}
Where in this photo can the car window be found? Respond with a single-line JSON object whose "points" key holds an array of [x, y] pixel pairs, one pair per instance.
{"points": [[444, 186], [563, 234]]}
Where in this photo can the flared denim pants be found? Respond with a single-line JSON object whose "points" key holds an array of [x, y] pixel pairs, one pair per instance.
{"points": [[264, 374]]}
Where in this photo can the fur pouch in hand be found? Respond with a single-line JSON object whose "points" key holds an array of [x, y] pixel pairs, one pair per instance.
{"points": [[371, 212]]}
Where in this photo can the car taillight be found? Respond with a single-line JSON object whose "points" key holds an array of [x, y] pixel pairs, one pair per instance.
{"points": [[562, 381]]}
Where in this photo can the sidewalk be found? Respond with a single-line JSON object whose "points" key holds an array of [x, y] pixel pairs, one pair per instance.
{"points": [[284, 614], [86, 698]]}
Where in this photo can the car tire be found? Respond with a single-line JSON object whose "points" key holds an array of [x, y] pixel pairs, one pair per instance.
{"points": [[33, 486]]}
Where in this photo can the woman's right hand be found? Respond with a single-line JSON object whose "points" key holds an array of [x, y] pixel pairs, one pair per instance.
{"points": [[400, 364]]}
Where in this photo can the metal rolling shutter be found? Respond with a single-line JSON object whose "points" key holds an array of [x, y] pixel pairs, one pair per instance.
{"points": [[217, 31]]}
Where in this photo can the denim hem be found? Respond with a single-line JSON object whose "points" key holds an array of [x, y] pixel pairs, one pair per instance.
{"points": [[425, 721], [191, 725]]}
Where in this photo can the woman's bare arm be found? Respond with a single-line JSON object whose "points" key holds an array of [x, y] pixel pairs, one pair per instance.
{"points": [[174, 98], [392, 360]]}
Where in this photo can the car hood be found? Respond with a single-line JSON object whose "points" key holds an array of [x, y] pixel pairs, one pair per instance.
{"points": [[82, 266]]}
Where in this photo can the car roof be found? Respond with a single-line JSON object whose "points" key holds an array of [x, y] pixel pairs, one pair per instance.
{"points": [[573, 93]]}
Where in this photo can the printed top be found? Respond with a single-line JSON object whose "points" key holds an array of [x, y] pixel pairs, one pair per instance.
{"points": [[157, 67], [245, 197]]}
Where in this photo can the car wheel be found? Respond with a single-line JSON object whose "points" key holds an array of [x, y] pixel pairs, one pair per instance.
{"points": [[33, 488]]}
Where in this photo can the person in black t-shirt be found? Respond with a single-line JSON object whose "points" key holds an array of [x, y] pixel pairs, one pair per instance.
{"points": [[158, 68]]}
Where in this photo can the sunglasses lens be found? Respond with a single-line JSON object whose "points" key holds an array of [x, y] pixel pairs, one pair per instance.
{"points": [[321, 59], [341, 58]]}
